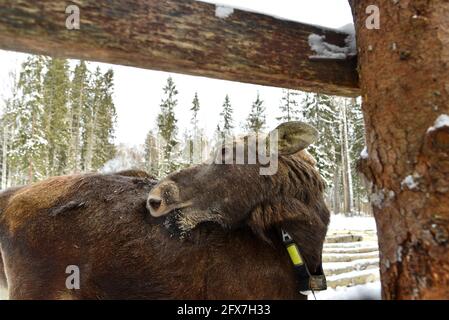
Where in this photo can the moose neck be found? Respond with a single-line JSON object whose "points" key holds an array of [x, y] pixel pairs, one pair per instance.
{"points": [[309, 241]]}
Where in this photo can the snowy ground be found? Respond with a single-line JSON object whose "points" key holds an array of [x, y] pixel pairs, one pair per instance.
{"points": [[369, 291], [351, 260], [341, 222]]}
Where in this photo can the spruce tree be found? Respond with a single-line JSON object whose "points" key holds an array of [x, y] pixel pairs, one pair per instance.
{"points": [[195, 109], [98, 118], [89, 116], [320, 111], [227, 118], [197, 142], [104, 148], [79, 98], [289, 106], [167, 127], [56, 122], [29, 143], [256, 119]]}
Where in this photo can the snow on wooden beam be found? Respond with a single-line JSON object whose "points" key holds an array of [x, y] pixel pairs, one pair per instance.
{"points": [[185, 36]]}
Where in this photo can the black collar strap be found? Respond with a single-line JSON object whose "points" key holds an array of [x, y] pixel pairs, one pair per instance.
{"points": [[306, 281]]}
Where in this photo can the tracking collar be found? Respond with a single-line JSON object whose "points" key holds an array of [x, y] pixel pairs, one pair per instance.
{"points": [[306, 281]]}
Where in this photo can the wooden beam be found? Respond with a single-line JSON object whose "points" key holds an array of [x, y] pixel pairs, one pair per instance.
{"points": [[180, 36]]}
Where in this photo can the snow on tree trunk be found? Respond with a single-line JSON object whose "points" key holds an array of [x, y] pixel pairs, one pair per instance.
{"points": [[404, 81]]}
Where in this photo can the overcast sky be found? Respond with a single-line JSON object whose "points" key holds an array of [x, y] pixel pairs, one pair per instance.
{"points": [[138, 92]]}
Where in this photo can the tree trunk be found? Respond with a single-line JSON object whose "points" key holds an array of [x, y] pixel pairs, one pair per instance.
{"points": [[405, 87], [336, 191], [346, 168]]}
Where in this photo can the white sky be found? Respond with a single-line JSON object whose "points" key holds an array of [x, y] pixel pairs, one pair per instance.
{"points": [[138, 92]]}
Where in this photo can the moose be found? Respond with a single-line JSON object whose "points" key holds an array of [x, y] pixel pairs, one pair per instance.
{"points": [[206, 232]]}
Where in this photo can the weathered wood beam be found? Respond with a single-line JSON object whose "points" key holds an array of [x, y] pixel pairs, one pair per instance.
{"points": [[179, 36]]}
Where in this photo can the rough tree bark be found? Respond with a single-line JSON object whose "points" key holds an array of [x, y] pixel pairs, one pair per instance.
{"points": [[180, 36], [405, 87]]}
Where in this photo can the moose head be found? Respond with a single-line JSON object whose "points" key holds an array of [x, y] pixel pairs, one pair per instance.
{"points": [[233, 195]]}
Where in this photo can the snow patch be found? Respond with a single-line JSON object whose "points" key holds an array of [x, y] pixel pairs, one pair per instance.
{"points": [[410, 183], [350, 40], [347, 28], [377, 198], [399, 254], [369, 291], [353, 274], [223, 12], [358, 264], [357, 244], [440, 122], [341, 222], [381, 198], [325, 50], [267, 13], [364, 154]]}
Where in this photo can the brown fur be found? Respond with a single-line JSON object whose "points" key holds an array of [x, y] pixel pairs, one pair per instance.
{"points": [[134, 173], [235, 196], [4, 199], [123, 253], [228, 215]]}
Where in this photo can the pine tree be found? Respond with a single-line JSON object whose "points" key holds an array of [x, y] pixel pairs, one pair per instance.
{"points": [[289, 106], [167, 128], [256, 119], [55, 119], [227, 118], [79, 98]]}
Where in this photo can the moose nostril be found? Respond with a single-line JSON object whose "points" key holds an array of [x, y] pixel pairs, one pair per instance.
{"points": [[154, 203]]}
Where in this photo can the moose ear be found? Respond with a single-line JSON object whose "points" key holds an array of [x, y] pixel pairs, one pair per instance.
{"points": [[295, 136]]}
